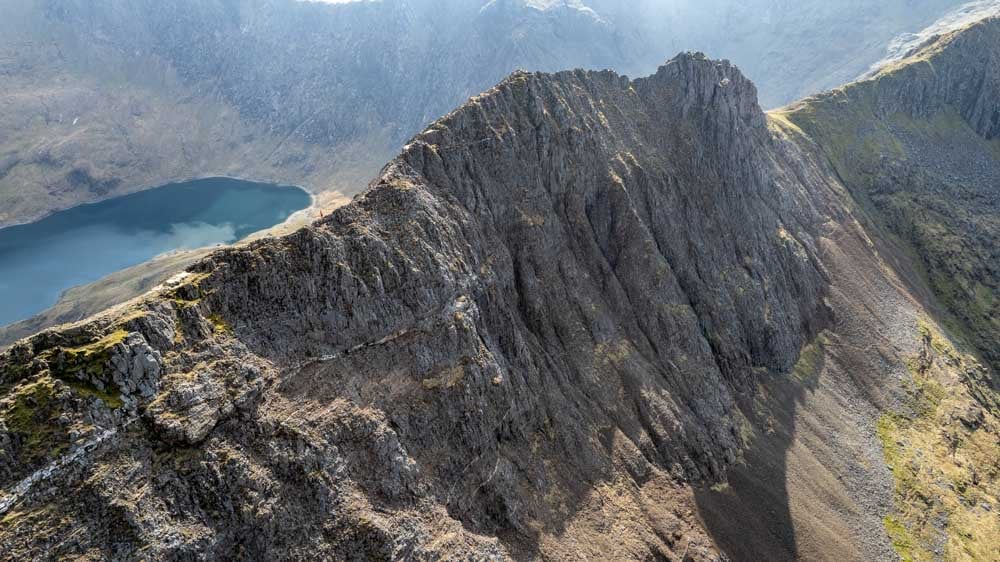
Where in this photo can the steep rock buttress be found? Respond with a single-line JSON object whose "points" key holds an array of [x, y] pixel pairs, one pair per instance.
{"points": [[569, 280]]}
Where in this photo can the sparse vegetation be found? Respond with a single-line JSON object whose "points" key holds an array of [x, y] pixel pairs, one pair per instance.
{"points": [[189, 293], [219, 324], [903, 542], [612, 353], [943, 455], [446, 378], [77, 366], [31, 415], [809, 363]]}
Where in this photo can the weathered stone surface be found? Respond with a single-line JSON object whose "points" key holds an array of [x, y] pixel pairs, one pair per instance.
{"points": [[551, 265]]}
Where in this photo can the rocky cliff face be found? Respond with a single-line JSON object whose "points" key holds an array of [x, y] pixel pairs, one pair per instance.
{"points": [[967, 79], [544, 290], [580, 315]]}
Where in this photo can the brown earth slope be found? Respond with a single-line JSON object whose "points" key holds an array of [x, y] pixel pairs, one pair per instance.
{"points": [[581, 316]]}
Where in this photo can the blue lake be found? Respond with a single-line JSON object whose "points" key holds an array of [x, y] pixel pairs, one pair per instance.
{"points": [[40, 260]]}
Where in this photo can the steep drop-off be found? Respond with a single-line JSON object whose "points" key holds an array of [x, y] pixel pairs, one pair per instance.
{"points": [[579, 316]]}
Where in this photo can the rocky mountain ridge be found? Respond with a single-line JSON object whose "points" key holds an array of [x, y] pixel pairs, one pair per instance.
{"points": [[467, 297], [580, 315]]}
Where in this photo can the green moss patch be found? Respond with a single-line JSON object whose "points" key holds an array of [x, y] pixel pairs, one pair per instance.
{"points": [[92, 362], [190, 292], [112, 399], [32, 415], [943, 456], [903, 542], [219, 324], [810, 361]]}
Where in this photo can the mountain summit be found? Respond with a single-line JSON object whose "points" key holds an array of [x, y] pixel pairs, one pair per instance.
{"points": [[579, 315]]}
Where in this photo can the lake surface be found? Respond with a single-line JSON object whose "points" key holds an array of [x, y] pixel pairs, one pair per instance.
{"points": [[40, 260]]}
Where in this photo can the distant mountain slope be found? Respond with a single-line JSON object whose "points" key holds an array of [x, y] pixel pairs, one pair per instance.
{"points": [[579, 315], [110, 97], [903, 45], [919, 143], [789, 49], [102, 98]]}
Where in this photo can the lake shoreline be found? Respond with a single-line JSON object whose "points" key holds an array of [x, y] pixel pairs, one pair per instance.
{"points": [[313, 194], [45, 260]]}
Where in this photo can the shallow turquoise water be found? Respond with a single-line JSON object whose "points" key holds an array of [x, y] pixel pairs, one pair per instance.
{"points": [[40, 260]]}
